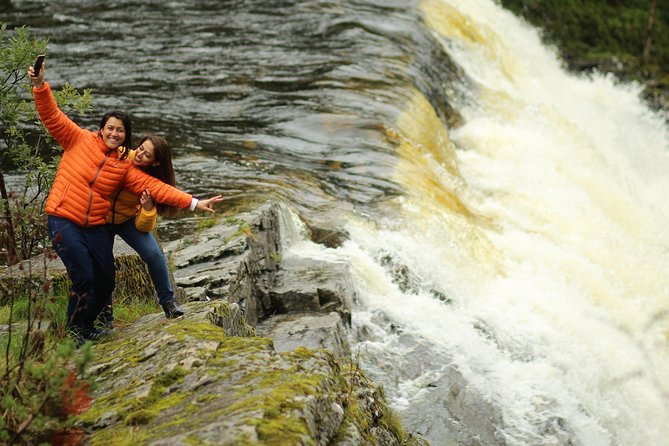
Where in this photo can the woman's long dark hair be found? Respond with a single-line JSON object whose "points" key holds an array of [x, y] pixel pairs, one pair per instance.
{"points": [[127, 142], [163, 171]]}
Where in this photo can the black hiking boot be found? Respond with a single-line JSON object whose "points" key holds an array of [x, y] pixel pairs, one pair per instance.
{"points": [[81, 335], [77, 335], [98, 334], [171, 309], [105, 320]]}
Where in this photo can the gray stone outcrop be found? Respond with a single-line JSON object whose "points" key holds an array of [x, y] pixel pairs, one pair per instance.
{"points": [[261, 356]]}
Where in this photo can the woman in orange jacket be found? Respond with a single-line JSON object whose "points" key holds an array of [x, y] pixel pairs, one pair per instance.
{"points": [[133, 217], [90, 170]]}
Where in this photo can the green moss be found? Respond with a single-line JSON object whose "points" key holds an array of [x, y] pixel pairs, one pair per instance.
{"points": [[139, 417], [279, 394], [243, 228], [195, 441], [133, 282], [113, 401], [302, 353], [243, 440], [113, 349], [167, 402], [282, 430], [154, 402], [275, 256], [232, 321], [248, 345], [143, 411], [195, 329], [167, 379], [205, 398], [125, 436], [206, 222], [268, 389]]}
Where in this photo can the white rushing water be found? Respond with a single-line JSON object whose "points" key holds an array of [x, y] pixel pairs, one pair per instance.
{"points": [[560, 248]]}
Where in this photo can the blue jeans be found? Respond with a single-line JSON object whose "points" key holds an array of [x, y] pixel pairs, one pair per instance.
{"points": [[145, 244], [89, 260]]}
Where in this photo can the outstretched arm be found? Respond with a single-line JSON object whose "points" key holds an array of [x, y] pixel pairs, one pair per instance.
{"points": [[208, 204]]}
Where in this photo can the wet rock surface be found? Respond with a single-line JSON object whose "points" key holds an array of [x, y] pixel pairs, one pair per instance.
{"points": [[235, 370]]}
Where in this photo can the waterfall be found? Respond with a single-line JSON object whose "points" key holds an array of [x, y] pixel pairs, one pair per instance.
{"points": [[529, 251]]}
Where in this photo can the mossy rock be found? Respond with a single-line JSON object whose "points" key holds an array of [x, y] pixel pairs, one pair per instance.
{"points": [[187, 380]]}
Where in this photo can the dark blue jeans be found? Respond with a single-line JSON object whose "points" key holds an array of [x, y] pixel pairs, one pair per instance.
{"points": [[89, 260], [145, 244]]}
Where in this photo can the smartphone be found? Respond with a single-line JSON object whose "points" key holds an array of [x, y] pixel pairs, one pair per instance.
{"points": [[38, 64]]}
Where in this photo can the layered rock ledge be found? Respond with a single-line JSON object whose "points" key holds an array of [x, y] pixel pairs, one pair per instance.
{"points": [[261, 357]]}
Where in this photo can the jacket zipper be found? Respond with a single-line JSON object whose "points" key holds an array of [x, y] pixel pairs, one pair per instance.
{"points": [[113, 207], [90, 185]]}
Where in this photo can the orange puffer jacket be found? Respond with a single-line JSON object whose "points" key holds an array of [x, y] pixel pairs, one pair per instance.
{"points": [[89, 173]]}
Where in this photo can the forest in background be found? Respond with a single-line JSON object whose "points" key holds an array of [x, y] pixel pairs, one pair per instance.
{"points": [[628, 38]]}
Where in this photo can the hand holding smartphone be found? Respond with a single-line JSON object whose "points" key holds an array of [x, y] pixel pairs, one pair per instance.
{"points": [[38, 64]]}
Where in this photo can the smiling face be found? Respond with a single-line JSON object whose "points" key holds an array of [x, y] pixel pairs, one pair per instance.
{"points": [[113, 133], [145, 155]]}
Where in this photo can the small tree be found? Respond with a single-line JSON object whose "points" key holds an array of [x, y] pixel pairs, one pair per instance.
{"points": [[26, 148], [39, 372]]}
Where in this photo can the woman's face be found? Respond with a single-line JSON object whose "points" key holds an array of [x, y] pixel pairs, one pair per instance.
{"points": [[145, 155], [113, 133]]}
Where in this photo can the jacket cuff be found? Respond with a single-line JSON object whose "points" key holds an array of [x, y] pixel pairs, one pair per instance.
{"points": [[45, 85]]}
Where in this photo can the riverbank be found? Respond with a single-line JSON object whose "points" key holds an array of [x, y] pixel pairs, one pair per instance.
{"points": [[261, 356], [596, 36]]}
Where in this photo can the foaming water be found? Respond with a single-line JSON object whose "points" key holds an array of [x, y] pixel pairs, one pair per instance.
{"points": [[536, 239]]}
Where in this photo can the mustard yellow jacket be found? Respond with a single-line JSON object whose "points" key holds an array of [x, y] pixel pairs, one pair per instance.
{"points": [[125, 205]]}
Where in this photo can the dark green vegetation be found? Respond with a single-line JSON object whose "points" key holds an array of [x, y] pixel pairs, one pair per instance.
{"points": [[41, 372], [38, 363], [629, 38], [40, 369], [26, 148]]}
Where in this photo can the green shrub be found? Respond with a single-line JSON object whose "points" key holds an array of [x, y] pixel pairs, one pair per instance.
{"points": [[596, 28], [41, 370]]}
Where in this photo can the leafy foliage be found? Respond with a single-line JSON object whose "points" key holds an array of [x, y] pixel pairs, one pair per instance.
{"points": [[595, 30], [26, 148], [36, 390], [40, 369]]}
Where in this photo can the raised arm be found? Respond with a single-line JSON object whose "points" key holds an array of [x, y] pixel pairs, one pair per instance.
{"points": [[62, 128]]}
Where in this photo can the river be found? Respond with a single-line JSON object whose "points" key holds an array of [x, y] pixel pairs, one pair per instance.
{"points": [[506, 220]]}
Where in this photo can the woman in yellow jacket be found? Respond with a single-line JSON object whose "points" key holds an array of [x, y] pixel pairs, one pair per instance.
{"points": [[90, 171], [133, 217]]}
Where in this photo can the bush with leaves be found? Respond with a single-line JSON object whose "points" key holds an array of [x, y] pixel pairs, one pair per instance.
{"points": [[26, 148], [40, 369], [38, 390]]}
